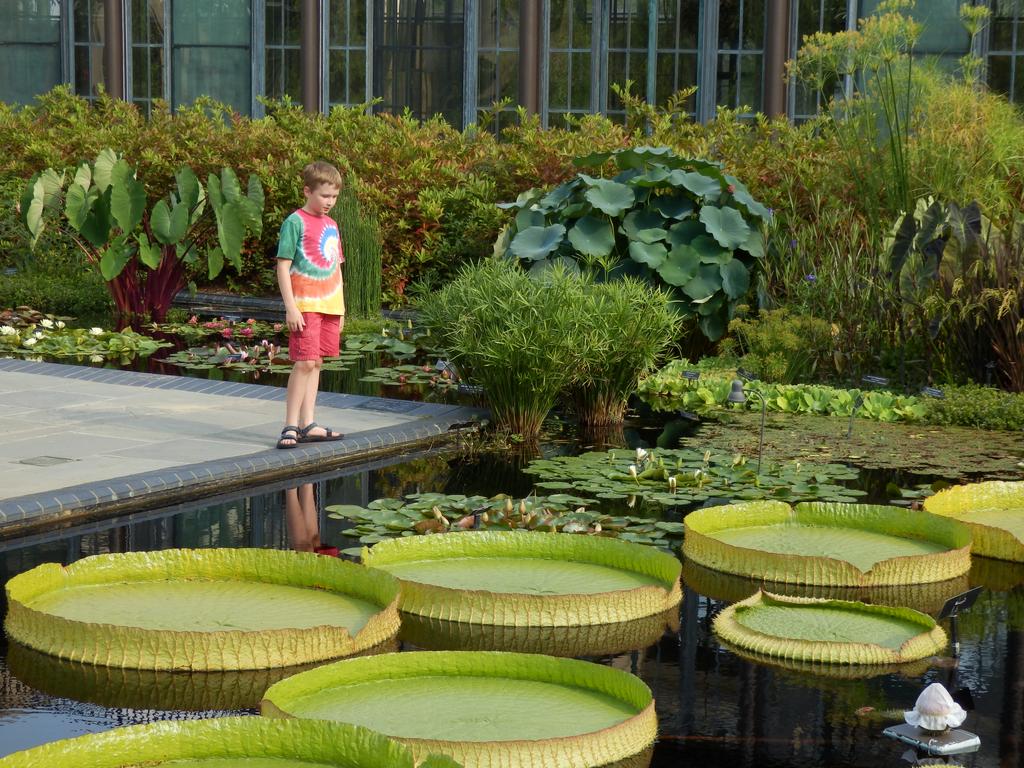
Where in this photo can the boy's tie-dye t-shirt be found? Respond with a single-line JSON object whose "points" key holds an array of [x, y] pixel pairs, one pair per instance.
{"points": [[313, 245]]}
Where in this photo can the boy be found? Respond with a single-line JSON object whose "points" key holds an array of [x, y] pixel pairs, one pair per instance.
{"points": [[309, 259]]}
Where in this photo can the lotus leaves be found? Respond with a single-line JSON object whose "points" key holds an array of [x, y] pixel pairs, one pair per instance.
{"points": [[485, 710], [855, 545], [993, 510], [570, 642], [215, 609], [230, 742], [828, 631], [678, 477], [523, 579]]}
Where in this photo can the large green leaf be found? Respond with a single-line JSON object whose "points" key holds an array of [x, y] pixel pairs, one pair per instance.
{"points": [[651, 254], [707, 187], [592, 236], [76, 206], [115, 256], [127, 197], [685, 232], [645, 225], [103, 167], [994, 511], [169, 224], [401, 694], [189, 189], [710, 251], [536, 243], [231, 232], [673, 206], [214, 193], [611, 197], [707, 281], [735, 278], [681, 265], [96, 228], [150, 254], [742, 196], [829, 631], [726, 225], [754, 244], [202, 609], [42, 192], [229, 185], [214, 262], [239, 742]]}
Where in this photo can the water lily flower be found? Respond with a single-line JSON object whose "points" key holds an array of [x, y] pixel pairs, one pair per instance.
{"points": [[61, 324], [672, 483], [707, 457], [7, 330], [30, 341], [46, 323], [193, 320], [631, 501], [38, 334], [96, 359], [632, 472], [641, 454], [95, 331]]}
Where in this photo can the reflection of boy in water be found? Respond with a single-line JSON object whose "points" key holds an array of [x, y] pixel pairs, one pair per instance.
{"points": [[302, 518]]}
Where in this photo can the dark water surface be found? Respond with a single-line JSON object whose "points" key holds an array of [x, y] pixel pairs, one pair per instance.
{"points": [[714, 708]]}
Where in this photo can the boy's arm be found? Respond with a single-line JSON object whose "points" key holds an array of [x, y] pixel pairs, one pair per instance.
{"points": [[284, 281], [291, 233]]}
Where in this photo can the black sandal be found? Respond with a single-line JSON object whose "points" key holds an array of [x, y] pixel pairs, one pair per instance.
{"points": [[294, 437], [305, 437]]}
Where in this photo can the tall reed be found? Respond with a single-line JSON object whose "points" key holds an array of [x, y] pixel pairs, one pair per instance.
{"points": [[361, 240]]}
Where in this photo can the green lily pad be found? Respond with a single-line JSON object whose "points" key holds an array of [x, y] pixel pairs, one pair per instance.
{"points": [[592, 236], [537, 242]]}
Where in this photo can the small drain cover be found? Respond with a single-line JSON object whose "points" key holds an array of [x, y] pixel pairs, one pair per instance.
{"points": [[44, 461]]}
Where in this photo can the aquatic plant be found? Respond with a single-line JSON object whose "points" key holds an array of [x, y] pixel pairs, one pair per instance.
{"points": [[144, 254], [26, 332], [212, 609], [461, 704], [858, 545], [264, 357], [680, 477], [993, 510], [523, 579], [240, 331], [824, 631], [669, 390], [674, 222], [227, 740], [428, 513]]}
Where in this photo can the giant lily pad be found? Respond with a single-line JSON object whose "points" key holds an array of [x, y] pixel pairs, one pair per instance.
{"points": [[202, 609], [993, 510], [523, 579], [828, 631], [483, 709], [732, 588], [856, 545], [124, 688], [571, 642], [229, 742]]}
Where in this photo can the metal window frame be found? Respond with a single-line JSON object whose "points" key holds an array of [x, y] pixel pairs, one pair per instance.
{"points": [[852, 7]]}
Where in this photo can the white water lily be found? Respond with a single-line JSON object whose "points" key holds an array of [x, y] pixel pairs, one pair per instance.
{"points": [[672, 483], [95, 331], [96, 359], [632, 472], [29, 342], [641, 454], [6, 330], [46, 323], [61, 324]]}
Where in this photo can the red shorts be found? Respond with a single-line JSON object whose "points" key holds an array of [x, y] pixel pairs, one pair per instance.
{"points": [[321, 337]]}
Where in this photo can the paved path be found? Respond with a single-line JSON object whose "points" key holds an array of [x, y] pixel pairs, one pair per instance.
{"points": [[82, 442]]}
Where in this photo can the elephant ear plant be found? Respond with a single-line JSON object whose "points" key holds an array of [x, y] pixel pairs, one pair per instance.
{"points": [[675, 222], [141, 251]]}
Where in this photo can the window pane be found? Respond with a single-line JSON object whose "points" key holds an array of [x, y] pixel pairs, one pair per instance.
{"points": [[212, 42], [29, 51], [418, 57], [729, 13], [357, 77], [508, 24], [999, 70], [750, 82], [558, 80], [337, 72]]}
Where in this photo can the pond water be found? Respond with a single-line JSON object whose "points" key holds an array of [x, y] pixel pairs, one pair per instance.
{"points": [[714, 708]]}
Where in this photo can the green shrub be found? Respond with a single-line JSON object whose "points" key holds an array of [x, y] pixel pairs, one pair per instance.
{"points": [[976, 406], [518, 337], [779, 346], [628, 326], [63, 288]]}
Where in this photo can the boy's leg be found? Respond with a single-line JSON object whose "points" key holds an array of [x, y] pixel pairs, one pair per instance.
{"points": [[328, 328], [304, 352]]}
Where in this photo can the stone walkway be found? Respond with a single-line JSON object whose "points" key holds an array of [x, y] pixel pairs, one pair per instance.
{"points": [[86, 442]]}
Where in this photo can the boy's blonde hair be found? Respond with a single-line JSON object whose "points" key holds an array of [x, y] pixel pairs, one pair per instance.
{"points": [[319, 172]]}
